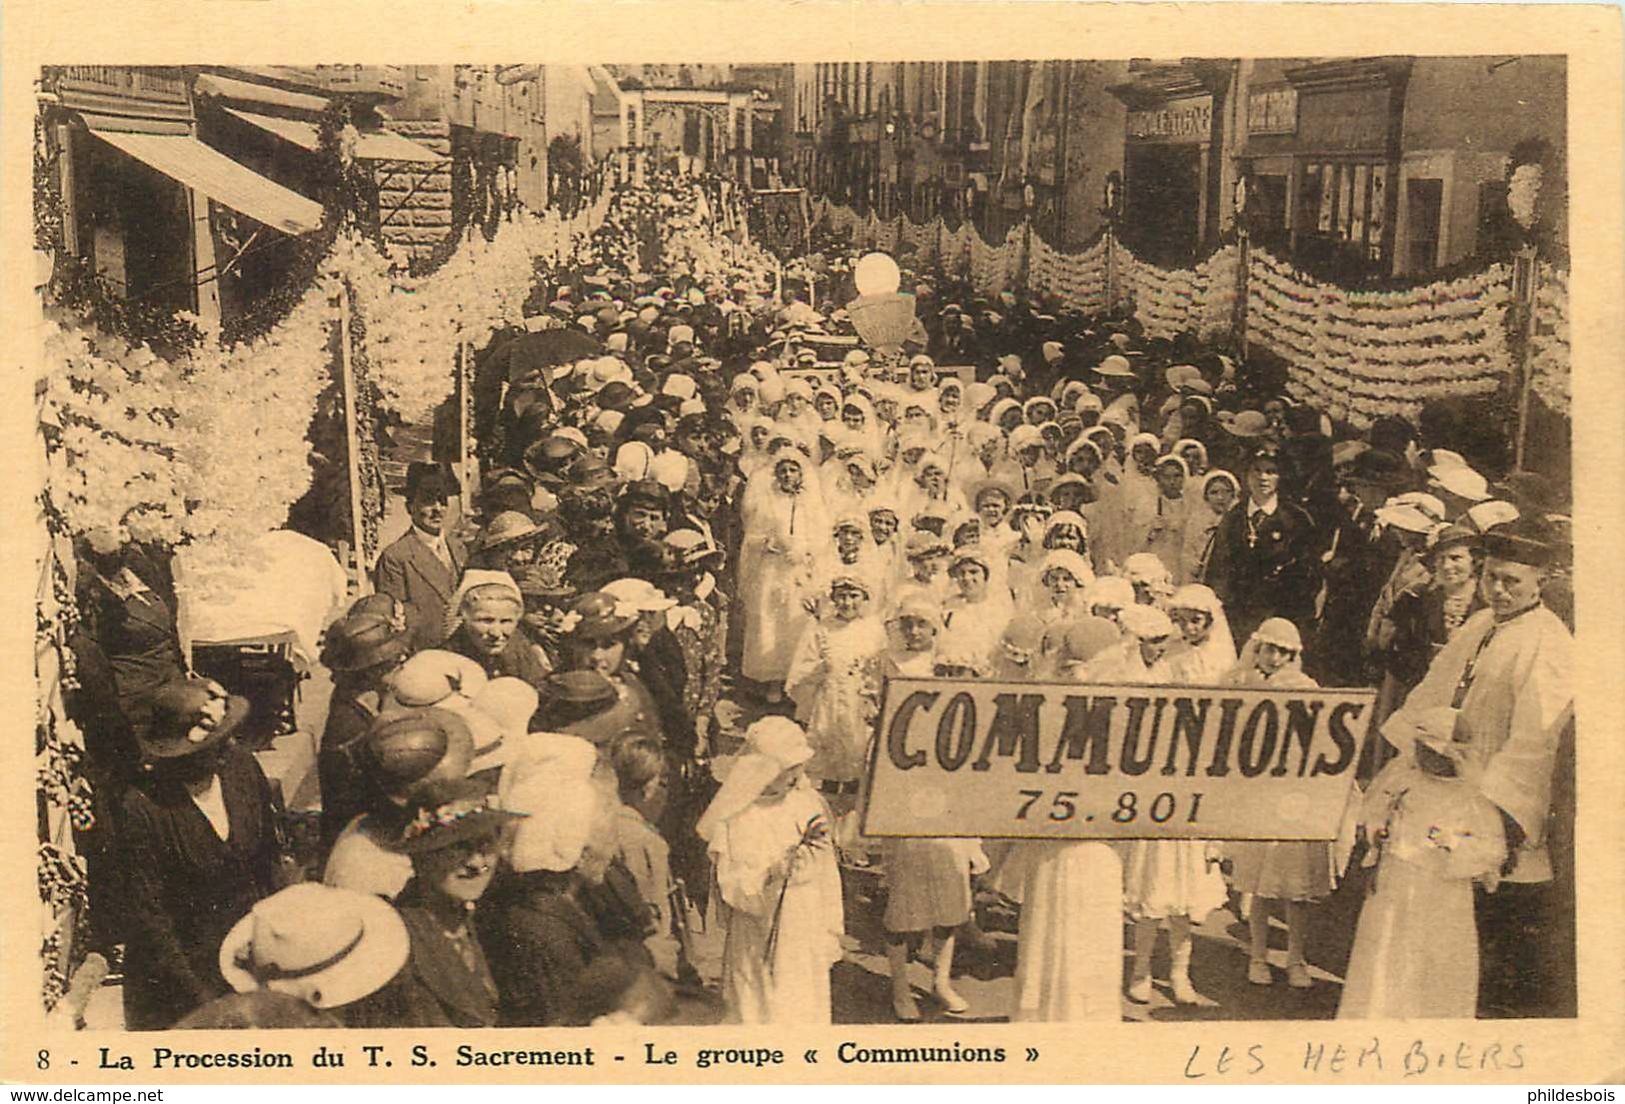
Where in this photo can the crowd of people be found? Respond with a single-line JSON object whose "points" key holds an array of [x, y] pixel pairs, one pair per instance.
{"points": [[631, 691]]}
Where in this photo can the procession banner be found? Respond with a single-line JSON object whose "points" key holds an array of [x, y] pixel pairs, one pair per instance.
{"points": [[781, 222], [1032, 760]]}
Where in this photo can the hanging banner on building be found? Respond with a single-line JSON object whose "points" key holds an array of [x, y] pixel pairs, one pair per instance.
{"points": [[780, 221], [1033, 760]]}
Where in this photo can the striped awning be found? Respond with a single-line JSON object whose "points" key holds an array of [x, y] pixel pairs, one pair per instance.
{"points": [[375, 145], [183, 158]]}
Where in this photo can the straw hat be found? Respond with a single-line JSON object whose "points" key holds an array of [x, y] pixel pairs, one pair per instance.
{"points": [[327, 945]]}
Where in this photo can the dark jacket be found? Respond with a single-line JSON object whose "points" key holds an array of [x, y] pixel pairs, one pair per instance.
{"points": [[1272, 571], [342, 775], [441, 985], [137, 635], [414, 576], [539, 942], [665, 673], [1419, 632], [1355, 567], [187, 887], [517, 659]]}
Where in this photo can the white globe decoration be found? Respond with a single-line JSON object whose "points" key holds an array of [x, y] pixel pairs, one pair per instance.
{"points": [[877, 274], [1523, 192]]}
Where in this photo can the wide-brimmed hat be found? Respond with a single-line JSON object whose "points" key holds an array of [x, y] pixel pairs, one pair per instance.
{"points": [[1115, 365], [1460, 481], [641, 594], [1450, 536], [190, 715], [923, 542], [407, 749], [434, 674], [995, 484], [328, 945], [1248, 423], [1527, 539], [646, 492], [598, 615], [471, 812], [692, 547], [506, 529], [1378, 467], [362, 640]]}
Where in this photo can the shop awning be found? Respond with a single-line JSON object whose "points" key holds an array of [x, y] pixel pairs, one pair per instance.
{"points": [[182, 157], [213, 84], [375, 145]]}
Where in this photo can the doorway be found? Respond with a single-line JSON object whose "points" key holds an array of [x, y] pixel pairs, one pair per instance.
{"points": [[1162, 203]]}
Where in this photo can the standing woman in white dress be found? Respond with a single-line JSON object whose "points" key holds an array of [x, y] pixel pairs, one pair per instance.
{"points": [[928, 881], [834, 679], [778, 886], [1294, 872], [1069, 951], [784, 531], [976, 617], [1163, 879]]}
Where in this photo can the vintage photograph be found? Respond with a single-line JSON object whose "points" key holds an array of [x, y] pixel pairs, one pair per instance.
{"points": [[840, 542]]}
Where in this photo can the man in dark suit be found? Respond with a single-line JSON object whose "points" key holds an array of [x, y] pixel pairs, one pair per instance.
{"points": [[421, 569], [1264, 561]]}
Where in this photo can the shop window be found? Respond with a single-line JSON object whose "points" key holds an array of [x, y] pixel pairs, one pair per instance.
{"points": [[1341, 212]]}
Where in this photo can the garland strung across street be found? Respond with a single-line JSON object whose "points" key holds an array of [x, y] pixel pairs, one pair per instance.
{"points": [[1361, 354]]}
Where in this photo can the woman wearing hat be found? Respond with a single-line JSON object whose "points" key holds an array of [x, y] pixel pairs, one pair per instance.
{"points": [[543, 928], [547, 597], [1408, 520], [976, 617], [1296, 873], [333, 950], [599, 634], [507, 543], [1432, 835], [490, 605], [785, 528], [361, 651], [199, 846], [1431, 611], [770, 838], [410, 755], [834, 679], [454, 846]]}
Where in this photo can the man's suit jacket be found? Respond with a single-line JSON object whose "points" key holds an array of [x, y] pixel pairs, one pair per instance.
{"points": [[414, 576]]}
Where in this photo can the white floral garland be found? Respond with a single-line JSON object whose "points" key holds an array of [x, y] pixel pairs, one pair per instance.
{"points": [[1549, 351], [244, 415], [114, 468]]}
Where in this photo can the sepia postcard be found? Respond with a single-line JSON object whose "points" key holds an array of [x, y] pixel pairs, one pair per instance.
{"points": [[814, 542]]}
